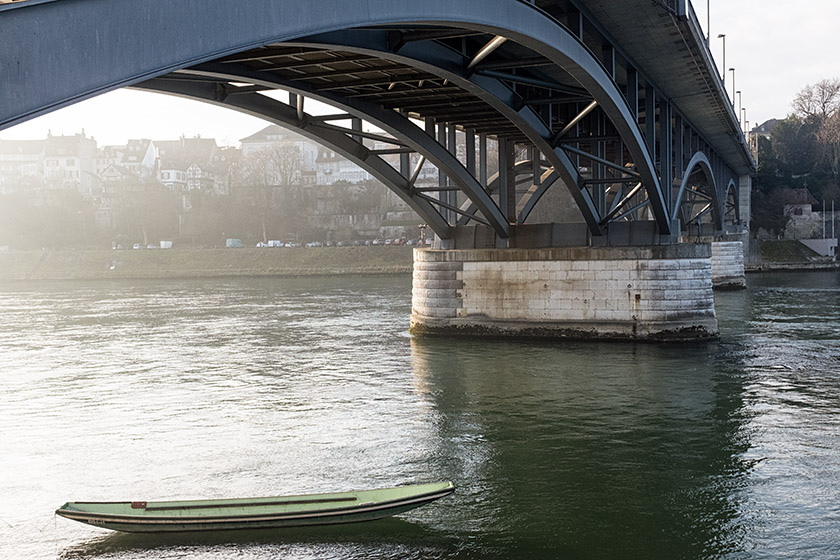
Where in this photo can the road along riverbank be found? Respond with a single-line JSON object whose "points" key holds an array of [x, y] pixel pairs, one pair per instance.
{"points": [[203, 263]]}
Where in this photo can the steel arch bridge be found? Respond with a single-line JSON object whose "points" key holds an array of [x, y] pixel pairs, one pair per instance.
{"points": [[617, 104]]}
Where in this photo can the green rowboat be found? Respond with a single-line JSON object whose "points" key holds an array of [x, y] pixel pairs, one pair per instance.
{"points": [[254, 513]]}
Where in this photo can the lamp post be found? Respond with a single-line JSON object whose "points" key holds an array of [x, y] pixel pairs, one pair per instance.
{"points": [[740, 122], [708, 22], [723, 36], [733, 86]]}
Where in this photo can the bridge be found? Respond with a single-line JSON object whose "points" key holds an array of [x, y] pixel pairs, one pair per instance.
{"points": [[564, 131]]}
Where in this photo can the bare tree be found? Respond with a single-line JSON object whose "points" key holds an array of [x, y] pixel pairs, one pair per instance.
{"points": [[821, 99], [273, 175], [828, 139]]}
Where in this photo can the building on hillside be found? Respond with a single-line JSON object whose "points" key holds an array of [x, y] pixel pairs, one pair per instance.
{"points": [[21, 164], [140, 157], [765, 129], [107, 156], [332, 168], [802, 221], [69, 163], [195, 165], [274, 136], [55, 163]]}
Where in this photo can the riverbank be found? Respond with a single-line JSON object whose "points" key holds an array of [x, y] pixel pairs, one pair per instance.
{"points": [[199, 263], [786, 255]]}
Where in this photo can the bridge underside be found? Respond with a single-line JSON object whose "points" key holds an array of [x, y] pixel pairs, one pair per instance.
{"points": [[525, 111]]}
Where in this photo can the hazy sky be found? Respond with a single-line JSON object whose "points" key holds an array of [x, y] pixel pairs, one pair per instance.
{"points": [[776, 48]]}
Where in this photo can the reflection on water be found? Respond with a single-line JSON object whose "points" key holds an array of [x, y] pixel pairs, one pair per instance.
{"points": [[591, 448], [220, 388]]}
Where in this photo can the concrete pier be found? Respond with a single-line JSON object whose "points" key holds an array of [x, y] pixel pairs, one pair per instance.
{"points": [[625, 293], [728, 265]]}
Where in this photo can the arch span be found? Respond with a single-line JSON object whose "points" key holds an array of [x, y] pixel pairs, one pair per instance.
{"points": [[732, 206], [143, 40], [699, 161]]}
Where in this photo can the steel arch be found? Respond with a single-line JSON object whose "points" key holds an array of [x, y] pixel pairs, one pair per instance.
{"points": [[124, 58], [736, 207], [699, 159]]}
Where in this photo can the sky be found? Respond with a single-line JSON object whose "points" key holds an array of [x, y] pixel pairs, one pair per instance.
{"points": [[776, 48]]}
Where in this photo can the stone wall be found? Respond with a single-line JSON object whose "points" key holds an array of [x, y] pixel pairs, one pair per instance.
{"points": [[728, 265], [632, 293]]}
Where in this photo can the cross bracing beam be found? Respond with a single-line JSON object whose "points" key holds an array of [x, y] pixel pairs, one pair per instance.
{"points": [[529, 198]]}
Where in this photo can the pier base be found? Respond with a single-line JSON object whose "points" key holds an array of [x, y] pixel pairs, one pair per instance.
{"points": [[728, 265], [620, 293]]}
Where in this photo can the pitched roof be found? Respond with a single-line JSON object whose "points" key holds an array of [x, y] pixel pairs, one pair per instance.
{"points": [[179, 154], [795, 197], [272, 132]]}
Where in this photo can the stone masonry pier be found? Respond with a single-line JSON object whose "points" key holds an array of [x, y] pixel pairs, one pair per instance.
{"points": [[728, 265], [620, 293]]}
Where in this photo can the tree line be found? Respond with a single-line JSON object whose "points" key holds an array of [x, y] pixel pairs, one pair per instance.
{"points": [[803, 152]]}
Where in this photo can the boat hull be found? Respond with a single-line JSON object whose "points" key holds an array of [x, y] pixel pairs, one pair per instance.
{"points": [[254, 513]]}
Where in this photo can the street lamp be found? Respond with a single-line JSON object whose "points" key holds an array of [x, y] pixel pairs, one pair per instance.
{"points": [[740, 122], [708, 22], [733, 86], [723, 36]]}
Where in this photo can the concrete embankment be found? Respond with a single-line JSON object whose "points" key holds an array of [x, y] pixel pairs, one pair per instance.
{"points": [[203, 263], [785, 255]]}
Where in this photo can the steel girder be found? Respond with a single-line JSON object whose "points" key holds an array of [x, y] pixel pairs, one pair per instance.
{"points": [[528, 200], [257, 105]]}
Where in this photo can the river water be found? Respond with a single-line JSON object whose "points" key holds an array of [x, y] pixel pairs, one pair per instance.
{"points": [[251, 387]]}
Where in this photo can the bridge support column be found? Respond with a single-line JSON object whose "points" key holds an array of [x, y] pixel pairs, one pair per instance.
{"points": [[621, 293], [728, 265]]}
